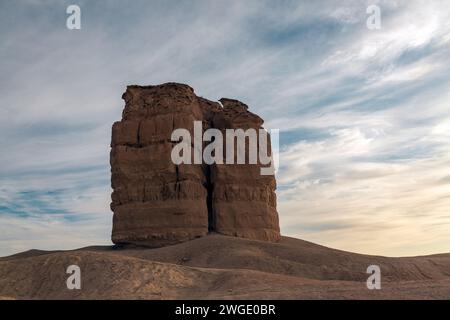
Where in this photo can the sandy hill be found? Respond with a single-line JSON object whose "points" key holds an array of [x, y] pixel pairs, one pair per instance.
{"points": [[216, 266]]}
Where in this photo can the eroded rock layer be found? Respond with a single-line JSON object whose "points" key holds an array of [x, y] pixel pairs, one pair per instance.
{"points": [[156, 202], [244, 200]]}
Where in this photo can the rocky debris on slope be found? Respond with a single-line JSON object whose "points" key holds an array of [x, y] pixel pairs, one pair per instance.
{"points": [[222, 267], [156, 202]]}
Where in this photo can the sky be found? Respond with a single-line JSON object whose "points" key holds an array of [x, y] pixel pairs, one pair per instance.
{"points": [[364, 115]]}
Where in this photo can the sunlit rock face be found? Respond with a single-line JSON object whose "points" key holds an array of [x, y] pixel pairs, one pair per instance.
{"points": [[156, 202]]}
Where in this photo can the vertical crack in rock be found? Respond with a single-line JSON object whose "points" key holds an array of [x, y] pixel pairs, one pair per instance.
{"points": [[157, 203], [139, 134], [209, 196]]}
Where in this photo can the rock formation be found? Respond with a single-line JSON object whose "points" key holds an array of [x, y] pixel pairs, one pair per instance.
{"points": [[243, 200], [156, 202]]}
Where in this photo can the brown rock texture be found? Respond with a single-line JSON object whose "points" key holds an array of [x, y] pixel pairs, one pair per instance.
{"points": [[156, 202], [243, 201]]}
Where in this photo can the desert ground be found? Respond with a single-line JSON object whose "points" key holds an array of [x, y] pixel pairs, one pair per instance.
{"points": [[221, 267]]}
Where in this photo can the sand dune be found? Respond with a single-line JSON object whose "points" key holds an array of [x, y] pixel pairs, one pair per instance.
{"points": [[216, 267]]}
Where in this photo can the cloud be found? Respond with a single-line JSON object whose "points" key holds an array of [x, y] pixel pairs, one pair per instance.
{"points": [[364, 114]]}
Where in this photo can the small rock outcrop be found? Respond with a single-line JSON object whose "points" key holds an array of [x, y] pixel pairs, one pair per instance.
{"points": [[156, 202]]}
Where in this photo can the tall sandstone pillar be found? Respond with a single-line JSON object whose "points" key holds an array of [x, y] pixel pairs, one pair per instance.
{"points": [[244, 200], [156, 202]]}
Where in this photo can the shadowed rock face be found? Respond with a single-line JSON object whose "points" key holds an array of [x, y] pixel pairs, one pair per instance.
{"points": [[156, 202]]}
